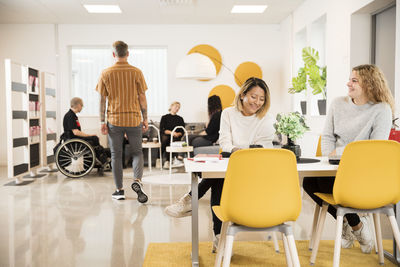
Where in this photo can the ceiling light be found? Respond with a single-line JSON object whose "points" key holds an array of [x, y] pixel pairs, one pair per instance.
{"points": [[102, 8], [248, 8]]}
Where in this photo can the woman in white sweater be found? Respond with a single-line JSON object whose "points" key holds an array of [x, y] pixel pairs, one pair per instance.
{"points": [[245, 124], [366, 113]]}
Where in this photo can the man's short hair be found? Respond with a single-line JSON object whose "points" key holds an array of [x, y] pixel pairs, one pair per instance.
{"points": [[120, 49], [75, 101]]}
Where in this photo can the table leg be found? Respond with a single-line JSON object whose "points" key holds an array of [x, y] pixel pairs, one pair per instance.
{"points": [[395, 257], [149, 159], [195, 220]]}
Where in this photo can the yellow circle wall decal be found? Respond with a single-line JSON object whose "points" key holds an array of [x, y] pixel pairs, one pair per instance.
{"points": [[247, 70], [210, 52], [226, 93]]}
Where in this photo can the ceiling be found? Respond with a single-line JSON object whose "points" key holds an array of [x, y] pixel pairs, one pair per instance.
{"points": [[143, 12]]}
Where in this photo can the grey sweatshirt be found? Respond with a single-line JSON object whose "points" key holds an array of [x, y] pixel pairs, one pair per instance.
{"points": [[347, 122]]}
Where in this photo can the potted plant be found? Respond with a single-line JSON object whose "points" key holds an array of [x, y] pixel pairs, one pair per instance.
{"points": [[314, 74], [293, 126], [299, 84]]}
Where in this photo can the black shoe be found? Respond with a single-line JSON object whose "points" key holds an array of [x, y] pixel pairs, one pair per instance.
{"points": [[137, 187], [119, 195]]}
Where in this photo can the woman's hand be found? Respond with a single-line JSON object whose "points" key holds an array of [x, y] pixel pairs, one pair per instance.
{"points": [[235, 149], [333, 153]]}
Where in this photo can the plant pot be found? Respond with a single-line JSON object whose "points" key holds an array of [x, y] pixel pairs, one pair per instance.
{"points": [[303, 105], [294, 148], [322, 106]]}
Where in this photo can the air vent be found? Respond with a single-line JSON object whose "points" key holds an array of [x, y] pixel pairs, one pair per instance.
{"points": [[177, 2]]}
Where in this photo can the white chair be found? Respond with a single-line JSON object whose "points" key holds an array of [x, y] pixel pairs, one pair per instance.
{"points": [[172, 149], [149, 145]]}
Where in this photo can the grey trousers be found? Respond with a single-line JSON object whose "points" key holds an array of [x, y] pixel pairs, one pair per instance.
{"points": [[115, 139]]}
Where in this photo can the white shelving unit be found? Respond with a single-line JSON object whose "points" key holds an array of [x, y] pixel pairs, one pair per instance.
{"points": [[49, 122], [23, 120]]}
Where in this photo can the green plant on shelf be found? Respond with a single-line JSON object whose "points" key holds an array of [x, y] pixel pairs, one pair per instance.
{"points": [[311, 72]]}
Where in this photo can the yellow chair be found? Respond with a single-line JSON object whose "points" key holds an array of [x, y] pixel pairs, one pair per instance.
{"points": [[261, 191], [367, 181]]}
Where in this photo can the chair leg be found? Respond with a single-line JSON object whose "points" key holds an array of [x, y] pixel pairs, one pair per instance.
{"points": [[228, 250], [320, 227], [371, 218], [287, 251], [170, 162], [378, 232], [221, 244], [293, 251], [314, 226], [275, 240], [395, 229], [338, 239]]}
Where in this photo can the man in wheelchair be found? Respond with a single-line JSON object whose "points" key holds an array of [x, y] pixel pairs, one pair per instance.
{"points": [[78, 152]]}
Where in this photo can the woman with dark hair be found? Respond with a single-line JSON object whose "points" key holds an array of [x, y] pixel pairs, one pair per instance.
{"points": [[211, 134], [245, 124]]}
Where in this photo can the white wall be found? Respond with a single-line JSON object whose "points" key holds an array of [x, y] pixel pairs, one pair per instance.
{"points": [[236, 44], [31, 44]]}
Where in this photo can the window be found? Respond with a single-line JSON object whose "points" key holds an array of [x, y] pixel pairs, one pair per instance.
{"points": [[88, 63]]}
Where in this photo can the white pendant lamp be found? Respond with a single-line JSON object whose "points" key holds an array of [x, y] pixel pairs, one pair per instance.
{"points": [[196, 66]]}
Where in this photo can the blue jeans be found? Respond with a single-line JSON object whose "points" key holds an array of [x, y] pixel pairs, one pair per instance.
{"points": [[116, 139]]}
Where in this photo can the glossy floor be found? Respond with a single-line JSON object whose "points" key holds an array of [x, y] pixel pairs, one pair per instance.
{"points": [[58, 221]]}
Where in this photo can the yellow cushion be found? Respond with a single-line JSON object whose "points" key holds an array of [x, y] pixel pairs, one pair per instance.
{"points": [[218, 212], [328, 198]]}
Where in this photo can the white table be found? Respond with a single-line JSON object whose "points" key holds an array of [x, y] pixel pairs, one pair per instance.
{"points": [[149, 146], [209, 170]]}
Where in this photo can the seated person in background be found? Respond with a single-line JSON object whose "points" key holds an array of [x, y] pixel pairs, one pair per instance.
{"points": [[366, 113], [72, 129], [167, 124], [211, 134], [243, 125]]}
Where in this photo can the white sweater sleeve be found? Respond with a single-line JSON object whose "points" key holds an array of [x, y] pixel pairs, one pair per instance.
{"points": [[265, 134], [225, 133]]}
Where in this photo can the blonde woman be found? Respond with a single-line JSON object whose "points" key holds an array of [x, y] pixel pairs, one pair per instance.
{"points": [[245, 124], [167, 124], [365, 113]]}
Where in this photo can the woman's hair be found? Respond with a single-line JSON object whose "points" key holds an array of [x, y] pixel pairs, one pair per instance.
{"points": [[214, 105], [174, 103], [246, 87], [374, 84]]}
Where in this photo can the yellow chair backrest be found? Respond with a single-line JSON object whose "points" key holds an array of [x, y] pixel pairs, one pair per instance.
{"points": [[368, 175], [318, 153], [261, 188]]}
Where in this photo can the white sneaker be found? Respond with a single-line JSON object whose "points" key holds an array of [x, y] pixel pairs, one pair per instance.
{"points": [[364, 236], [182, 208], [177, 163], [215, 243], [166, 164], [347, 236]]}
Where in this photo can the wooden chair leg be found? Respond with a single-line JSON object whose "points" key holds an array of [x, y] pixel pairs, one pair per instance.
{"points": [[395, 229], [320, 227], [338, 241], [221, 244], [371, 218], [228, 251], [275, 240], [378, 232], [287, 251], [293, 251], [314, 226]]}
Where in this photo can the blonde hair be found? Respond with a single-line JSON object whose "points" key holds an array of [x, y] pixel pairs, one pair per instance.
{"points": [[174, 103], [120, 49], [374, 84], [75, 101], [246, 87]]}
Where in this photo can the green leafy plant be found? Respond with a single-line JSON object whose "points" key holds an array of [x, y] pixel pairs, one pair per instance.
{"points": [[311, 72], [291, 124]]}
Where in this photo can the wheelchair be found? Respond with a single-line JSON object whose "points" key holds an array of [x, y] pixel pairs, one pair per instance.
{"points": [[76, 158]]}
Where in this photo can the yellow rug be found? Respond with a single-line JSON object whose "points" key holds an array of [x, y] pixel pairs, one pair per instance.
{"points": [[258, 253]]}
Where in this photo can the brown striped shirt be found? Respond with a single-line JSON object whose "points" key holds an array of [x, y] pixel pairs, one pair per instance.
{"points": [[122, 84]]}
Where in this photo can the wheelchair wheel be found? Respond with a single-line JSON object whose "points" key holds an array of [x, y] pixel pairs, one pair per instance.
{"points": [[75, 158]]}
